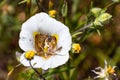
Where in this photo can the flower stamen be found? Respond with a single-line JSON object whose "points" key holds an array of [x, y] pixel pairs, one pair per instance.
{"points": [[110, 70], [56, 36], [46, 45]]}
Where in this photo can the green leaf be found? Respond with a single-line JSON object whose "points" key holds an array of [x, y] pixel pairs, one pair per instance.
{"points": [[18, 54], [78, 59], [24, 1], [76, 34], [64, 76], [73, 74], [116, 57], [98, 31], [58, 70], [64, 9], [106, 7]]}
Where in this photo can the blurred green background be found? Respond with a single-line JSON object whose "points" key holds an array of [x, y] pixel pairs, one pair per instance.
{"points": [[95, 49]]}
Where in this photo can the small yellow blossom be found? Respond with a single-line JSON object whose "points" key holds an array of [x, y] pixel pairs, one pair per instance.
{"points": [[29, 55], [110, 70], [52, 13], [76, 48]]}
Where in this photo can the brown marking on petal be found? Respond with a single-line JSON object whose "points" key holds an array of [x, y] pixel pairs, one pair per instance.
{"points": [[39, 43], [59, 49], [46, 45]]}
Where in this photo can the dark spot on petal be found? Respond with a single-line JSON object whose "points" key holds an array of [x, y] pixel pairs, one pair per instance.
{"points": [[22, 38]]}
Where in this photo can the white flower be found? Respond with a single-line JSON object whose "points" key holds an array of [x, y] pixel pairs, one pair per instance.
{"points": [[104, 72], [45, 56]]}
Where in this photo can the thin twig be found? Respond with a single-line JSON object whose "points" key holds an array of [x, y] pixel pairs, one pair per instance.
{"points": [[38, 4], [40, 75], [11, 71], [64, 18], [83, 28]]}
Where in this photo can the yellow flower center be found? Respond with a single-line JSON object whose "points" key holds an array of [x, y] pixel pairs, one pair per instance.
{"points": [[110, 70], [56, 36], [29, 55], [35, 33], [76, 48], [52, 13]]}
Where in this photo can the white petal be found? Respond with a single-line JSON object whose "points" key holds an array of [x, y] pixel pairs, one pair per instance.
{"points": [[39, 62], [51, 26], [64, 41], [59, 60], [32, 24], [26, 41]]}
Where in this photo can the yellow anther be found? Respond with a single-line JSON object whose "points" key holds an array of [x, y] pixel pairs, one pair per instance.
{"points": [[45, 49], [110, 70], [29, 55], [76, 48], [52, 13], [35, 33], [56, 36]]}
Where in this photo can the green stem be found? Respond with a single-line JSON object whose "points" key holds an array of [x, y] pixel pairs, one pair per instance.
{"points": [[105, 8], [75, 34], [38, 4], [40, 75], [83, 28]]}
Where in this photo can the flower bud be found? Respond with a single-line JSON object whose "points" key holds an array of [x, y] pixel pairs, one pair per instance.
{"points": [[102, 18], [96, 11]]}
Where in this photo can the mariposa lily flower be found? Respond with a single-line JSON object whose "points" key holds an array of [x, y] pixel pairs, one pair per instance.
{"points": [[45, 41]]}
